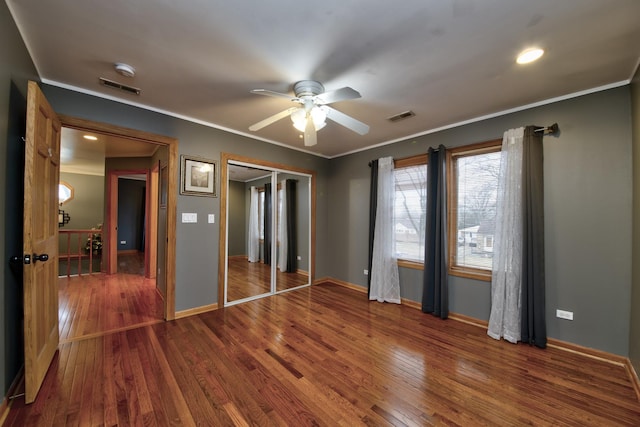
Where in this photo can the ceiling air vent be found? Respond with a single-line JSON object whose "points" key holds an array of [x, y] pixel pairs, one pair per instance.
{"points": [[116, 85], [401, 116]]}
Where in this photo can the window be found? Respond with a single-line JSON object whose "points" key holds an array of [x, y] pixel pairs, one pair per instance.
{"points": [[65, 192], [409, 211], [472, 192]]}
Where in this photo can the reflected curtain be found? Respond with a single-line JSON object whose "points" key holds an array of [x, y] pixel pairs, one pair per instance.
{"points": [[287, 231], [282, 227], [435, 294], [291, 203], [373, 203], [253, 242], [268, 208], [385, 282]]}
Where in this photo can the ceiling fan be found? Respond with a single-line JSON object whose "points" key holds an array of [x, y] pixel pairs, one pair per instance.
{"points": [[310, 116]]}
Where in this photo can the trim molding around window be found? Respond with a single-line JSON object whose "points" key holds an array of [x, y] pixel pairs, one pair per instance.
{"points": [[463, 240]]}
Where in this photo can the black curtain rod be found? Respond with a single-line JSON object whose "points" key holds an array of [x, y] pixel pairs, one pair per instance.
{"points": [[549, 130], [554, 129]]}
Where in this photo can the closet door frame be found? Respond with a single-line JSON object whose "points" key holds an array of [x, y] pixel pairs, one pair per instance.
{"points": [[274, 168]]}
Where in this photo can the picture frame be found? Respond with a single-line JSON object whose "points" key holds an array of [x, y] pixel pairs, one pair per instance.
{"points": [[198, 176]]}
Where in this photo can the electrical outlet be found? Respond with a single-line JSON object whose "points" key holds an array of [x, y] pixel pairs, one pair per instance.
{"points": [[562, 314], [123, 242], [366, 272], [299, 258]]}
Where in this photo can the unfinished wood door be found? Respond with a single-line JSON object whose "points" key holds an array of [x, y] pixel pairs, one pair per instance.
{"points": [[40, 248]]}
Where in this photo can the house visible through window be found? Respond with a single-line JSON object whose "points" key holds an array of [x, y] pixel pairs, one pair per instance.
{"points": [[410, 206], [472, 192]]}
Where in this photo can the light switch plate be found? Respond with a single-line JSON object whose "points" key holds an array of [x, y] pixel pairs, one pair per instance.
{"points": [[189, 217], [212, 218]]}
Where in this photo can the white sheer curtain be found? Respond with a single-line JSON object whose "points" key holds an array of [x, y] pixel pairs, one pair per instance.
{"points": [[506, 279], [282, 227], [385, 284], [253, 242]]}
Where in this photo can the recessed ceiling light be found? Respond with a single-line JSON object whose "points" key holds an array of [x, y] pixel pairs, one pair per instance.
{"points": [[90, 137], [529, 55]]}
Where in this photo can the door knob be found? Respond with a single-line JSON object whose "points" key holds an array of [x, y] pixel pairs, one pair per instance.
{"points": [[42, 257], [21, 259]]}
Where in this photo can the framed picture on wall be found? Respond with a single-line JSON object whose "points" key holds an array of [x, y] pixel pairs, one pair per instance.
{"points": [[198, 176]]}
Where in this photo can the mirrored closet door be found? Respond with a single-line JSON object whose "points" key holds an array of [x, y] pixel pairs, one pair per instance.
{"points": [[268, 230]]}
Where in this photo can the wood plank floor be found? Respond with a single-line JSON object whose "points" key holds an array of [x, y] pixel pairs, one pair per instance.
{"points": [[318, 356], [91, 305]]}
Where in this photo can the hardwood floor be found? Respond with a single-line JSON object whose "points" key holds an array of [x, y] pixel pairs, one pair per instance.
{"points": [[91, 305], [323, 355], [246, 279]]}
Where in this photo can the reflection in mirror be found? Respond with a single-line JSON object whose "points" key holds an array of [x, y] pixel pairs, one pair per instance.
{"points": [[248, 263], [268, 232], [293, 215]]}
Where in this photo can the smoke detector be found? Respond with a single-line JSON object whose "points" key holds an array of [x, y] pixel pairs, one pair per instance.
{"points": [[125, 69]]}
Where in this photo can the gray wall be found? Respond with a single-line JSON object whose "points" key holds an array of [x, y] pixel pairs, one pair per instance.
{"points": [[634, 330], [238, 211], [16, 68], [587, 213], [86, 209], [197, 244], [87, 206]]}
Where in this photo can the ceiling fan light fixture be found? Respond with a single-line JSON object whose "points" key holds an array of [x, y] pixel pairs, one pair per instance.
{"points": [[299, 119], [318, 115]]}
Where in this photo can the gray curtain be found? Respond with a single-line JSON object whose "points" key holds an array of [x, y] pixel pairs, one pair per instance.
{"points": [[267, 224], [533, 324], [373, 205], [435, 294], [292, 227]]}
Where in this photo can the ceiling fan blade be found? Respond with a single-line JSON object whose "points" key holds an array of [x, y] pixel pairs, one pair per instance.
{"points": [[347, 121], [337, 95], [272, 119], [310, 134], [267, 92]]}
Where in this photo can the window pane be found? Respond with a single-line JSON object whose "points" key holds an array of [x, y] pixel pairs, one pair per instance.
{"points": [[477, 183], [410, 207]]}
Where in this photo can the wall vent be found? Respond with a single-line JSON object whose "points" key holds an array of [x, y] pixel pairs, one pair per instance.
{"points": [[401, 116], [116, 85]]}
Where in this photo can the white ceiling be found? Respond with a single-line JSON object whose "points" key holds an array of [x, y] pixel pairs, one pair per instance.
{"points": [[448, 61]]}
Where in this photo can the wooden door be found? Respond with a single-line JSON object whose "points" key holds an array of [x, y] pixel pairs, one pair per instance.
{"points": [[40, 248]]}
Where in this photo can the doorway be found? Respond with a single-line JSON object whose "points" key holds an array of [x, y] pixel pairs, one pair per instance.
{"points": [[162, 216]]}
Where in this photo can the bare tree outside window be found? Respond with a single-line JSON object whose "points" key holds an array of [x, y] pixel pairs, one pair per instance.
{"points": [[476, 185], [409, 210]]}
